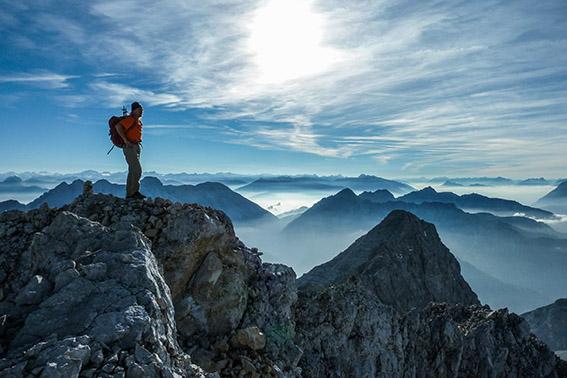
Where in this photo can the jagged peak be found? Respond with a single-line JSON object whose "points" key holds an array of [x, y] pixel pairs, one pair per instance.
{"points": [[400, 223], [402, 260], [345, 193], [65, 184], [74, 182]]}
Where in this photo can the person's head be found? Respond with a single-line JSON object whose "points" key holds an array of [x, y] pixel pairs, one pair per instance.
{"points": [[136, 109]]}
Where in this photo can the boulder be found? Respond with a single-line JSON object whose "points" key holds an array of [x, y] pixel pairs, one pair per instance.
{"points": [[92, 302]]}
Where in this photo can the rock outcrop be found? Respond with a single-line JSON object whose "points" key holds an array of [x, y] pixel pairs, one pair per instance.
{"points": [[369, 313], [216, 286], [549, 323], [105, 287], [345, 331], [78, 297]]}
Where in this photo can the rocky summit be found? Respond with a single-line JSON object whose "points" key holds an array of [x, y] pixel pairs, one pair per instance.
{"points": [[402, 261], [105, 287]]}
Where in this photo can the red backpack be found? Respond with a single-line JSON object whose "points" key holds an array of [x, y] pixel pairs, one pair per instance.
{"points": [[115, 138]]}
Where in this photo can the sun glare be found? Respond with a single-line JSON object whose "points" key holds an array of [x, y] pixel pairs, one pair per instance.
{"points": [[285, 40]]}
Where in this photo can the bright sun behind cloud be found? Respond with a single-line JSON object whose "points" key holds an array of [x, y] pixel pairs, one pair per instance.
{"points": [[285, 40]]}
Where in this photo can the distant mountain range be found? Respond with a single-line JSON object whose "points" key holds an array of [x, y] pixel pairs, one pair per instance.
{"points": [[229, 178], [324, 183], [489, 181], [475, 203], [51, 179], [556, 200], [14, 188], [519, 252], [212, 194], [14, 184]]}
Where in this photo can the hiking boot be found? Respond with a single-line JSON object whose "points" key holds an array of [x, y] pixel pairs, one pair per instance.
{"points": [[138, 195]]}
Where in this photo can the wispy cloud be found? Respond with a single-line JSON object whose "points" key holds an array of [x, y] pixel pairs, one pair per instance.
{"points": [[43, 79], [118, 94], [424, 87]]}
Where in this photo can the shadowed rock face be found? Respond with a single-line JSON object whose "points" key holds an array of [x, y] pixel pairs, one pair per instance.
{"points": [[352, 315], [108, 287], [402, 261], [549, 323], [345, 331]]}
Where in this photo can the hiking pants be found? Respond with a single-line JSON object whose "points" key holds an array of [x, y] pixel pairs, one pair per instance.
{"points": [[132, 155]]}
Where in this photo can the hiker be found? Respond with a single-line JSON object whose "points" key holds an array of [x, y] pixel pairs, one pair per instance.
{"points": [[130, 129]]}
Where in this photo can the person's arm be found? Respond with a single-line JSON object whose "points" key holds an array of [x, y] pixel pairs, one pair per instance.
{"points": [[122, 132]]}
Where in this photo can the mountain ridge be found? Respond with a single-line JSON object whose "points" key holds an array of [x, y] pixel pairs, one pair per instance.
{"points": [[163, 289]]}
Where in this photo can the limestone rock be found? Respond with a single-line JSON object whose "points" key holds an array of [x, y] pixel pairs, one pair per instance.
{"points": [[64, 321], [217, 283]]}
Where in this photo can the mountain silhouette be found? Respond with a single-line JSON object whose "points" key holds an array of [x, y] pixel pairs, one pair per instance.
{"points": [[324, 183], [556, 200]]}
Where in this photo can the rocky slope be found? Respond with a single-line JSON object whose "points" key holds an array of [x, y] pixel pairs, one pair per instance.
{"points": [[549, 323], [78, 297], [110, 288], [346, 332], [369, 311]]}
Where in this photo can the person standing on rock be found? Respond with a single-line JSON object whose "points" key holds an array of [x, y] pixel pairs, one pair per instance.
{"points": [[130, 130]]}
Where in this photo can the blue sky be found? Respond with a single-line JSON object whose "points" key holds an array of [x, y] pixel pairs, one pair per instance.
{"points": [[392, 88]]}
